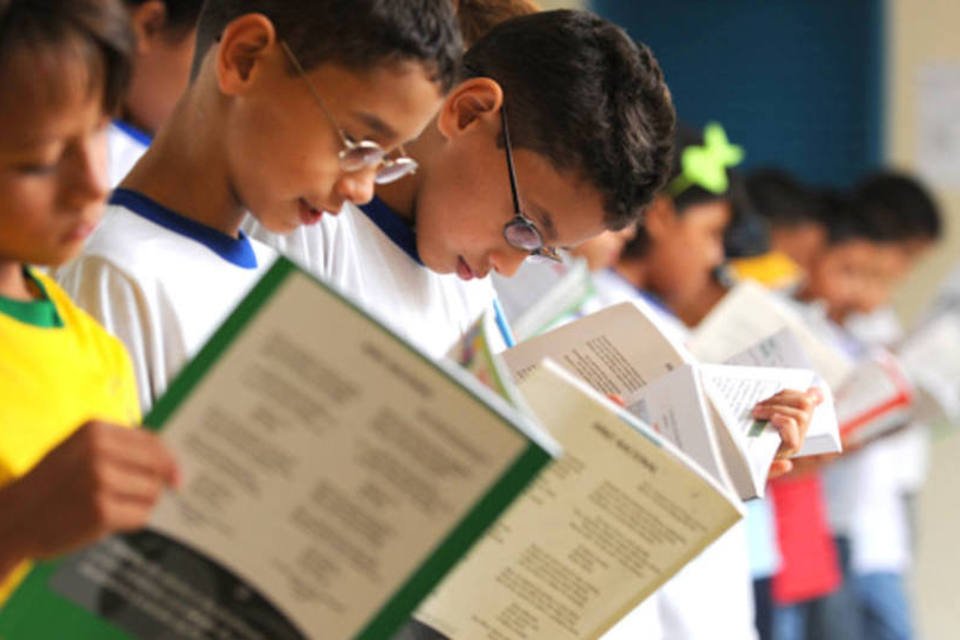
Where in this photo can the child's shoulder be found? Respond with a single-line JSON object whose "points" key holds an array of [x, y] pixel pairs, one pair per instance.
{"points": [[88, 332]]}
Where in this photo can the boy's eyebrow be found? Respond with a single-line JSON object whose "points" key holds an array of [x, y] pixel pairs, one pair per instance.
{"points": [[374, 122], [548, 228]]}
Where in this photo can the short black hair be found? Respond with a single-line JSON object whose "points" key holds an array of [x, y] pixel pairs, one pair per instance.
{"points": [[581, 93], [182, 15], [358, 34], [781, 199], [97, 31], [477, 17], [901, 202], [846, 221]]}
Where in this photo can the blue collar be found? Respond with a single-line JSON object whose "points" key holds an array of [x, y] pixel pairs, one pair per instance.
{"points": [[139, 135], [237, 251], [395, 227], [655, 301]]}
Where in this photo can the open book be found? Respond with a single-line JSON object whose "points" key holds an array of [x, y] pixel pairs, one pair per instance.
{"points": [[875, 399], [704, 410], [620, 513], [749, 313], [541, 294], [931, 358], [333, 474]]}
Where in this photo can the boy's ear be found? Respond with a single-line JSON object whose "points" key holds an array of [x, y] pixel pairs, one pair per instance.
{"points": [[148, 21], [659, 217], [472, 101], [244, 45]]}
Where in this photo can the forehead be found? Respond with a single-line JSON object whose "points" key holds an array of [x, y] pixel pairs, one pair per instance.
{"points": [[392, 100], [69, 89], [565, 207], [707, 215]]}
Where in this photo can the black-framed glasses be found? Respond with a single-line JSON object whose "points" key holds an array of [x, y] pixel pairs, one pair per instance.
{"points": [[356, 156], [520, 232]]}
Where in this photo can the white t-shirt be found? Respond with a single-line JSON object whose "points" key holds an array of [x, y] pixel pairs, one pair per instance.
{"points": [[125, 145], [370, 253], [161, 283]]}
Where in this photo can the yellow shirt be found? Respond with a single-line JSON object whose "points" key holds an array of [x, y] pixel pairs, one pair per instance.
{"points": [[774, 270], [52, 380]]}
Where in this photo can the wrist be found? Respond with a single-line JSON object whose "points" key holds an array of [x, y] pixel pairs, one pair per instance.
{"points": [[15, 539]]}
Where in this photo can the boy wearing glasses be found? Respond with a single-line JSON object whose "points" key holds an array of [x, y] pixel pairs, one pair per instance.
{"points": [[282, 120], [559, 128]]}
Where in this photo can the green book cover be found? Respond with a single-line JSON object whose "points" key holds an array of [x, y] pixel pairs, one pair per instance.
{"points": [[153, 584]]}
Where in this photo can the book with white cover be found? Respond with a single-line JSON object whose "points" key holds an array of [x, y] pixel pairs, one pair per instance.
{"points": [[623, 350], [749, 313], [620, 513]]}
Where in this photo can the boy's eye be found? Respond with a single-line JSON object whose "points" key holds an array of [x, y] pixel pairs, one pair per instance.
{"points": [[37, 168]]}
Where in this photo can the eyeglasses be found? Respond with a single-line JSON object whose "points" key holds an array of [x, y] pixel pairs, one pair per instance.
{"points": [[356, 156], [520, 232]]}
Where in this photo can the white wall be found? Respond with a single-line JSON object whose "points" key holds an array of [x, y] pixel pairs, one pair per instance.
{"points": [[920, 32]]}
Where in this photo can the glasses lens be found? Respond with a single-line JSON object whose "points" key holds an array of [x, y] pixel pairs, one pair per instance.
{"points": [[393, 170], [522, 235], [361, 156]]}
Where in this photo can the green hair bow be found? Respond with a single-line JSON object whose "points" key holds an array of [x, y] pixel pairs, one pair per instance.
{"points": [[706, 166]]}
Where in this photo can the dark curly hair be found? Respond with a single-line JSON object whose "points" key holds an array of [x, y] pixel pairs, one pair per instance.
{"points": [[357, 34], [581, 93]]}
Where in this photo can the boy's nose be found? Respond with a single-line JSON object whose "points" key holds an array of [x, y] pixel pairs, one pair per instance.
{"points": [[358, 186], [88, 179]]}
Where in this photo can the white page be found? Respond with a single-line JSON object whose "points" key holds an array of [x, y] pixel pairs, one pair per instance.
{"points": [[605, 526], [674, 405], [750, 312], [875, 399], [324, 465], [931, 358], [617, 350], [734, 392], [783, 349]]}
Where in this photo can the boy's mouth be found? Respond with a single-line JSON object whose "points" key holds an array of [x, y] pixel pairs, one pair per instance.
{"points": [[463, 269], [309, 214]]}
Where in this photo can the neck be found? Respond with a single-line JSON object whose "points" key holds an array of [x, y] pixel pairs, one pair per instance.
{"points": [[401, 196], [13, 284], [633, 271], [185, 169]]}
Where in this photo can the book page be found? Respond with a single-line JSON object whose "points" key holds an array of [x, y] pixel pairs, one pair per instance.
{"points": [[876, 398], [750, 312], [783, 349], [734, 392], [675, 406], [597, 533], [931, 358], [617, 350], [325, 462], [540, 295]]}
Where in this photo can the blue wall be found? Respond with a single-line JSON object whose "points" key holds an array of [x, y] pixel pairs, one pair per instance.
{"points": [[797, 82]]}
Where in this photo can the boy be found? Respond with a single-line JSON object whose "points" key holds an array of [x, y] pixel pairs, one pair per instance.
{"points": [[166, 34], [868, 491], [281, 120], [69, 474], [559, 128]]}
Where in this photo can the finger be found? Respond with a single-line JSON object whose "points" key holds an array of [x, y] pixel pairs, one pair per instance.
{"points": [[800, 399], [789, 434], [135, 448], [129, 483], [121, 514], [779, 468], [802, 417]]}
